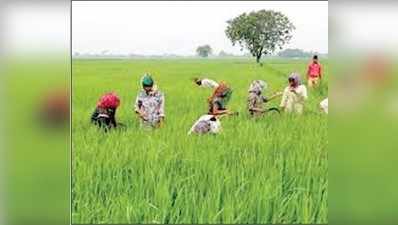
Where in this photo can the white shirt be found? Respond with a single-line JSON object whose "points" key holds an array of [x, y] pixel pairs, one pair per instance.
{"points": [[215, 126], [207, 83], [325, 105], [294, 102]]}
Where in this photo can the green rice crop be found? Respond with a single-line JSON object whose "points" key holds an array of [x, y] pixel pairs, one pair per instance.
{"points": [[267, 170]]}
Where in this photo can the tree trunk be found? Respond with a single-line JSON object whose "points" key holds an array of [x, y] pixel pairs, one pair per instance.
{"points": [[258, 57]]}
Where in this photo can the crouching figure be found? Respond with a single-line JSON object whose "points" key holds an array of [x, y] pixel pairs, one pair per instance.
{"points": [[104, 113], [206, 124]]}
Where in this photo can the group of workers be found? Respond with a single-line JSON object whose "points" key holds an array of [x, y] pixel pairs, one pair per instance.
{"points": [[149, 104]]}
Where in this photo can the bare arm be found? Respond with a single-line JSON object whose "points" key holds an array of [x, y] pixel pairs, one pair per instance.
{"points": [[216, 111], [138, 108], [284, 98], [277, 94]]}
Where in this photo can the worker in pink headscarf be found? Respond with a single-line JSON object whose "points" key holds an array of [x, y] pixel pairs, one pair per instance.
{"points": [[294, 95]]}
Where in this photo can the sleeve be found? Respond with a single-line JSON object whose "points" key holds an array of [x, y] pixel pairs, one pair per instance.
{"points": [[214, 84], [136, 104], [308, 70], [251, 102], [112, 114], [94, 115], [303, 92], [161, 106], [284, 98], [215, 126], [324, 105]]}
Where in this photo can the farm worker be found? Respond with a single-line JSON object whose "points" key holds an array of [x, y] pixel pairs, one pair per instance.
{"points": [[205, 83], [324, 105], [206, 124], [149, 104], [294, 95], [104, 113], [255, 100], [314, 72], [219, 100]]}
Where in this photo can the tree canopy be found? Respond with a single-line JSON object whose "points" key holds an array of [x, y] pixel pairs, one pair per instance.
{"points": [[204, 50], [261, 32]]}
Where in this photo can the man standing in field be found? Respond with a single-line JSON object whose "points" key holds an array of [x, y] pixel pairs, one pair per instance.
{"points": [[314, 72], [149, 104]]}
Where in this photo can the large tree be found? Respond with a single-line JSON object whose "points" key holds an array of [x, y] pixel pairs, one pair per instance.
{"points": [[260, 32], [204, 50]]}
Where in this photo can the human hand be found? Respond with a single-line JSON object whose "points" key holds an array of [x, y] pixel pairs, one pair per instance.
{"points": [[142, 115], [161, 122]]}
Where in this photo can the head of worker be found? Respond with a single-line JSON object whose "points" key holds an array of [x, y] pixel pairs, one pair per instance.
{"points": [[147, 83], [315, 59], [294, 80], [257, 87]]}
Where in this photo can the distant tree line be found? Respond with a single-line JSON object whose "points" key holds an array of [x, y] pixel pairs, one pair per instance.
{"points": [[296, 53]]}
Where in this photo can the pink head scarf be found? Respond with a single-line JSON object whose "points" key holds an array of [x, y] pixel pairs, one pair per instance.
{"points": [[295, 77], [109, 100]]}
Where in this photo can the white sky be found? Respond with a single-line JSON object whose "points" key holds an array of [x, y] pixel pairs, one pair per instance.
{"points": [[366, 26], [179, 27]]}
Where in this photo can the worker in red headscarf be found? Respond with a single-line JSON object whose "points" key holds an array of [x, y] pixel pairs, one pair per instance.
{"points": [[104, 114]]}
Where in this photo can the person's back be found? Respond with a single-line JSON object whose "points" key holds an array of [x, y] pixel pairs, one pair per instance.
{"points": [[206, 124], [206, 83], [219, 99], [104, 113]]}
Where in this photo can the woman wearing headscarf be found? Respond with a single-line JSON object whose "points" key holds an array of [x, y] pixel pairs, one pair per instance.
{"points": [[104, 113], [255, 100], [149, 104], [219, 99], [294, 95]]}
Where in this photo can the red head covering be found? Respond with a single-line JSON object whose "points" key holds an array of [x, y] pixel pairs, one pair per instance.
{"points": [[109, 100]]}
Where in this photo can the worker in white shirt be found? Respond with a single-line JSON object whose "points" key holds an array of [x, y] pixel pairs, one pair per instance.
{"points": [[294, 95], [205, 83]]}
